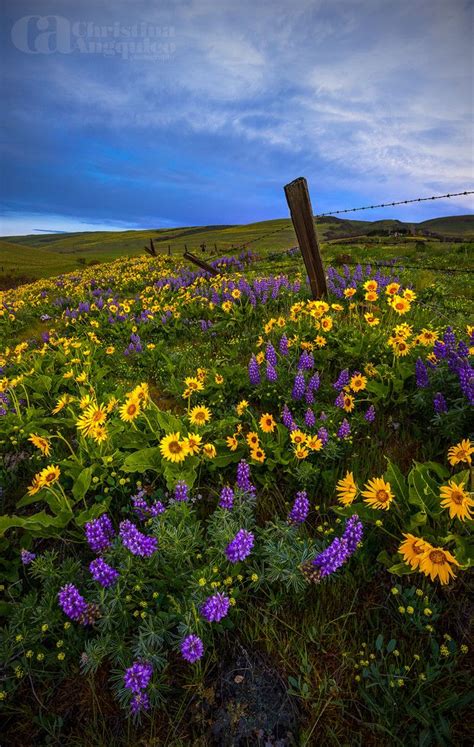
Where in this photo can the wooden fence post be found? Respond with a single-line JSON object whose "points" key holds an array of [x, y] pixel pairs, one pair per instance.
{"points": [[297, 197], [200, 263]]}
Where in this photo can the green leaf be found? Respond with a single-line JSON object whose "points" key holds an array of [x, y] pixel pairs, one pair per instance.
{"points": [[168, 422], [400, 569], [91, 513], [38, 523], [423, 490], [394, 476], [142, 460], [82, 484], [391, 646], [379, 642]]}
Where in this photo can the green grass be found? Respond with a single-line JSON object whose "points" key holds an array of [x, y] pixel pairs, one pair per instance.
{"points": [[21, 260]]}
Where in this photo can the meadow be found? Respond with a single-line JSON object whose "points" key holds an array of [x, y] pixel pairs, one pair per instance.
{"points": [[232, 514]]}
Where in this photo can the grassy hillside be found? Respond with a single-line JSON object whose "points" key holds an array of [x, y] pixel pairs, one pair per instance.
{"points": [[50, 254]]}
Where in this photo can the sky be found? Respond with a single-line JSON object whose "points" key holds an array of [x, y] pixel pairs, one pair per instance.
{"points": [[156, 113]]}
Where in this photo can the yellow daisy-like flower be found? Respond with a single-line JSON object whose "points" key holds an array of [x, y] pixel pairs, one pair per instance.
{"points": [[64, 400], [461, 452], [35, 485], [347, 489], [301, 452], [370, 285], [320, 341], [298, 438], [92, 416], [326, 323], [200, 415], [427, 337], [378, 493], [219, 379], [267, 423], [349, 292], [371, 296], [232, 443], [41, 443], [358, 382], [49, 475], [257, 454], [400, 305], [392, 289], [409, 294], [130, 410], [412, 550], [371, 320], [236, 293], [193, 442], [348, 402], [260, 357], [252, 439], [241, 407], [193, 384], [437, 563], [226, 306], [110, 350], [457, 500], [99, 433], [314, 443], [173, 448], [209, 450]]}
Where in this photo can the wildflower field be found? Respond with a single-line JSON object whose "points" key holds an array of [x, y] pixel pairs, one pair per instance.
{"points": [[232, 514]]}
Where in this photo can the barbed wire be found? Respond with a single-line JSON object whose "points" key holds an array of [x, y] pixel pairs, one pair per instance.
{"points": [[447, 196], [398, 202]]}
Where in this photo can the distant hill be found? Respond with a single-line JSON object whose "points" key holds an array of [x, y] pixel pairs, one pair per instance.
{"points": [[51, 254]]}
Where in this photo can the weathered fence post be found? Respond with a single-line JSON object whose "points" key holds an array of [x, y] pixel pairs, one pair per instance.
{"points": [[151, 250], [297, 197], [200, 262]]}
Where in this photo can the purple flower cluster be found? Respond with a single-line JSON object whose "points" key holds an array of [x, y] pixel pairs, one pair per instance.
{"points": [[143, 509], [306, 361], [344, 430], [456, 355], [226, 499], [136, 679], [72, 603], [181, 491], [192, 648], [254, 371], [299, 386], [342, 380], [421, 372], [439, 404], [340, 549], [300, 509], [240, 547], [312, 387], [370, 414], [103, 573], [243, 477], [323, 435], [27, 557], [99, 533], [309, 418], [270, 355], [215, 608], [135, 345], [339, 281], [283, 345], [287, 419], [271, 373], [137, 542]]}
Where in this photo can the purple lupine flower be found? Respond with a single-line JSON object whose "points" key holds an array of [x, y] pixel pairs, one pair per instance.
{"points": [[138, 676], [439, 404], [370, 414], [271, 373], [192, 648], [139, 702], [270, 355], [300, 508], [344, 430], [137, 542], [339, 401], [215, 607], [243, 477], [286, 417], [309, 418], [314, 382], [27, 557], [240, 547], [353, 533], [323, 416], [330, 559], [157, 508], [306, 361], [99, 533], [342, 380], [254, 371], [181, 491], [323, 435], [72, 603], [103, 573], [283, 345], [422, 379], [226, 499], [299, 386]]}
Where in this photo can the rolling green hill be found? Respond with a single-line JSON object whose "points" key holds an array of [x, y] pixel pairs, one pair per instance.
{"points": [[51, 254]]}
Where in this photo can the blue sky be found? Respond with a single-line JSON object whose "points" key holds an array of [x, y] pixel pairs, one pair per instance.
{"points": [[184, 112]]}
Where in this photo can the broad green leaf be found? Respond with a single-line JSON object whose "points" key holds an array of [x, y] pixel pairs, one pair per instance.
{"points": [[400, 569], [142, 460], [82, 484], [399, 485], [36, 523]]}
